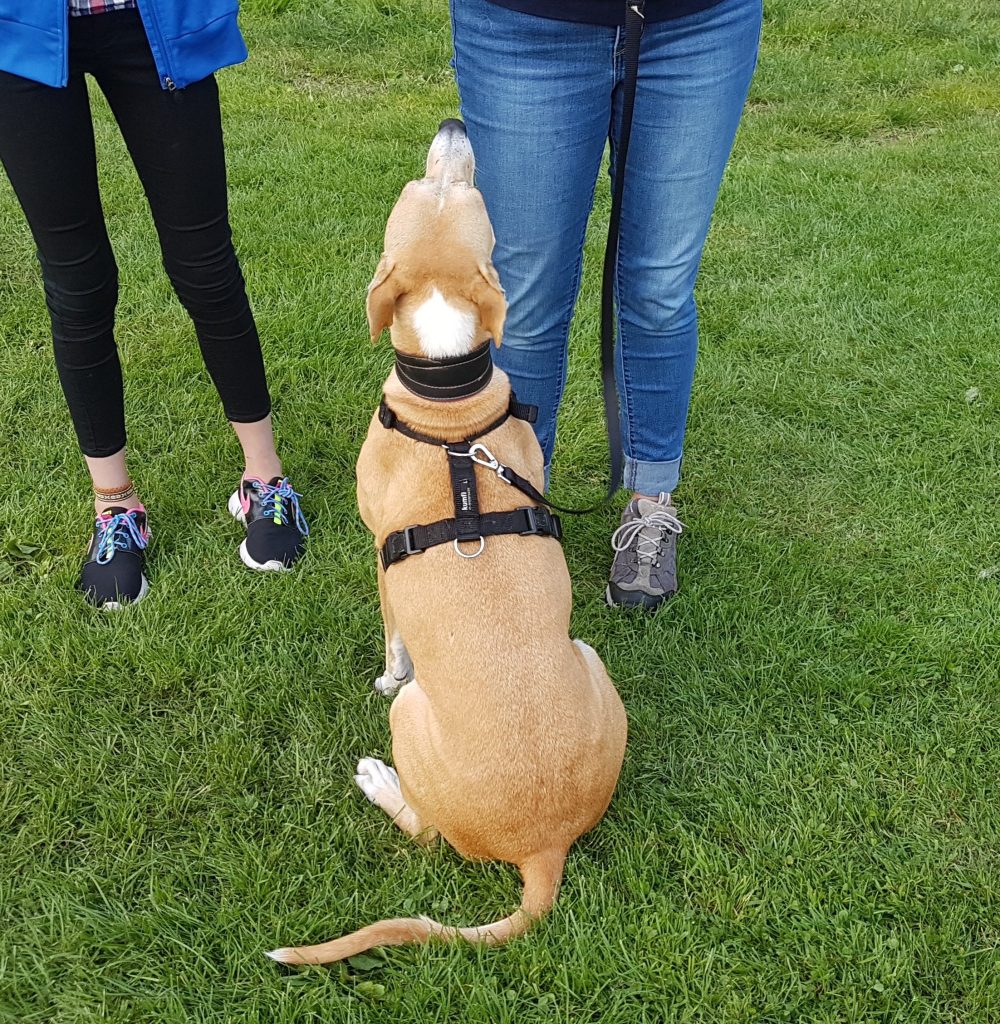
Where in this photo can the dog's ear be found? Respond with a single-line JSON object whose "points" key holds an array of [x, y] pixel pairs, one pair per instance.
{"points": [[491, 301], [382, 295]]}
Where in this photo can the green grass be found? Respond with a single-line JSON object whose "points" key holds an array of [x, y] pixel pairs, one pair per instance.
{"points": [[806, 827]]}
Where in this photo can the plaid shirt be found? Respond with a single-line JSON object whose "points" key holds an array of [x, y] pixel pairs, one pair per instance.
{"points": [[78, 7]]}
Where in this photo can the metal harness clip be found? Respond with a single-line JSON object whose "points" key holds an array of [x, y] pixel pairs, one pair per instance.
{"points": [[490, 461]]}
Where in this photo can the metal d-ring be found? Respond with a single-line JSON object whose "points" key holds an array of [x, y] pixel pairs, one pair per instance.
{"points": [[475, 554]]}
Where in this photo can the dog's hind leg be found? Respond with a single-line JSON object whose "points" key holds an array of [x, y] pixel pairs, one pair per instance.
{"points": [[398, 666], [380, 784]]}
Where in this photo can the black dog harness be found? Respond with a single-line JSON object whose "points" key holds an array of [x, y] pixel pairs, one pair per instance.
{"points": [[461, 377]]}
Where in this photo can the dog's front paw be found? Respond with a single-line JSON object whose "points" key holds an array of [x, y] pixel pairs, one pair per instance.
{"points": [[388, 684], [379, 783]]}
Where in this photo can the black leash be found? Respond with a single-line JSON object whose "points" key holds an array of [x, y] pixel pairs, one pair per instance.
{"points": [[634, 20]]}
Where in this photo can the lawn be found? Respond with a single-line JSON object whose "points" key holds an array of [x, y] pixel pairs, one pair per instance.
{"points": [[807, 823]]}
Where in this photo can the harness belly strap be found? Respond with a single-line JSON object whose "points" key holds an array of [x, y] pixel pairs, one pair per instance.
{"points": [[528, 521]]}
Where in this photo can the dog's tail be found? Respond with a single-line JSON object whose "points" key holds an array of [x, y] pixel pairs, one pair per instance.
{"points": [[542, 873]]}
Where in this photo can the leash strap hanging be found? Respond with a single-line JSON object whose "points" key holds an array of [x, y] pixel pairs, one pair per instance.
{"points": [[468, 524], [527, 487], [413, 370], [482, 456], [634, 21]]}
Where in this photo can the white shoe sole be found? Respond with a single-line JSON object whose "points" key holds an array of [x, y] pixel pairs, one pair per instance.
{"points": [[117, 606], [236, 511], [236, 508]]}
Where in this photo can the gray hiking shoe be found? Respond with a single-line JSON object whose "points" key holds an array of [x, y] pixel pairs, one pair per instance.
{"points": [[644, 570]]}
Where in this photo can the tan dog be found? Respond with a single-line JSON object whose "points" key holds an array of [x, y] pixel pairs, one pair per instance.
{"points": [[508, 737]]}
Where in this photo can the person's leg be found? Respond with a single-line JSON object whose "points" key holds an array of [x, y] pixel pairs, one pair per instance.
{"points": [[536, 101], [47, 148], [694, 74], [175, 141]]}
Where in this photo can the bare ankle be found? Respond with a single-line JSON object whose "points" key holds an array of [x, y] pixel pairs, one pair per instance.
{"points": [[263, 469], [257, 441]]}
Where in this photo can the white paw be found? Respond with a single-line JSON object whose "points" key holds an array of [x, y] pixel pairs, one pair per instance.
{"points": [[388, 684], [375, 778]]}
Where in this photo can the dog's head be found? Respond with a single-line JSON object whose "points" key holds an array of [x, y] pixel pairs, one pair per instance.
{"points": [[435, 286]]}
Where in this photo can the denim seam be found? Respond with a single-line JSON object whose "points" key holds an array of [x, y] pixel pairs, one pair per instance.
{"points": [[577, 276]]}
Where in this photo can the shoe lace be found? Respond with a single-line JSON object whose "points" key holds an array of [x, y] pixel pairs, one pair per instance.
{"points": [[647, 532], [277, 499], [118, 533]]}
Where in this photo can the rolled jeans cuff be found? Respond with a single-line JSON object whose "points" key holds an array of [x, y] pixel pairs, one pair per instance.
{"points": [[652, 477]]}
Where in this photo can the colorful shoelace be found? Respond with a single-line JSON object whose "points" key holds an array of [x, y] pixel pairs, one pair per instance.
{"points": [[118, 533], [276, 500]]}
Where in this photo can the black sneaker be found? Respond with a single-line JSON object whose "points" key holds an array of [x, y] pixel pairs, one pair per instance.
{"points": [[112, 574], [276, 528]]}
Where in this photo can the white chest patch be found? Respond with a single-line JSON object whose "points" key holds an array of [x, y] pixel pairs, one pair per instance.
{"points": [[442, 329]]}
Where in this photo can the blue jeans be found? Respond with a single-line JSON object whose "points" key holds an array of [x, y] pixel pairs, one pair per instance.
{"points": [[540, 98]]}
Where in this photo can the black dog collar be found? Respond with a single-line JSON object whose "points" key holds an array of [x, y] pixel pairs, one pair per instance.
{"points": [[455, 377]]}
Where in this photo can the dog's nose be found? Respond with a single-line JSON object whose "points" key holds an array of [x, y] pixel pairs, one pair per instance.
{"points": [[452, 125], [450, 159]]}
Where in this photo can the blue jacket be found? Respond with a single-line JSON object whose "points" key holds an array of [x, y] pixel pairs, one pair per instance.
{"points": [[189, 38]]}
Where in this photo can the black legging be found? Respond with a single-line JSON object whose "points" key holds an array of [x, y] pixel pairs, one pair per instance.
{"points": [[175, 140]]}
